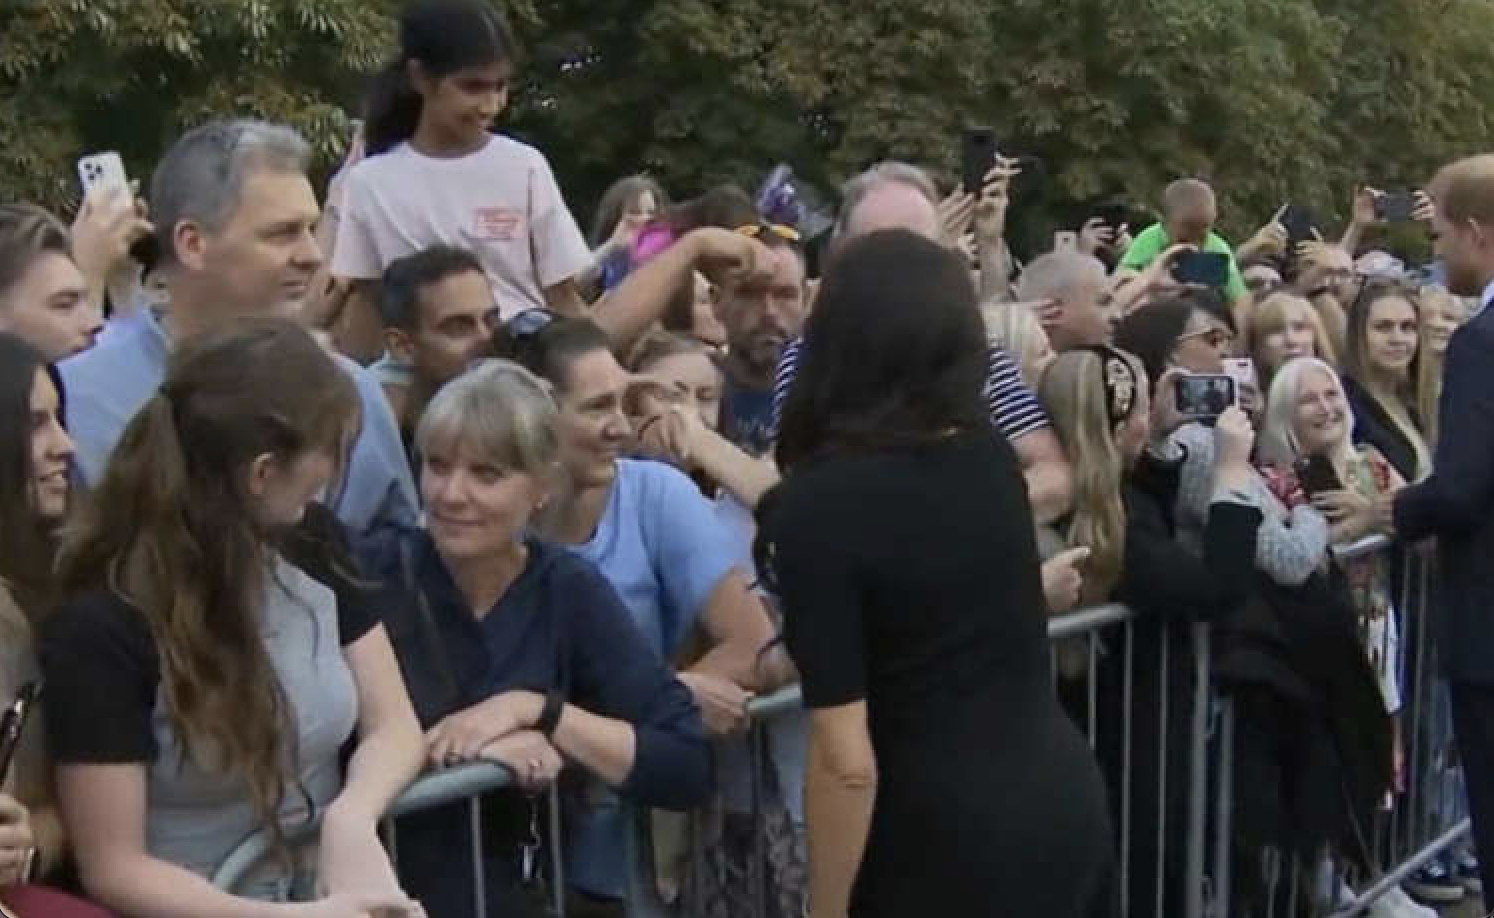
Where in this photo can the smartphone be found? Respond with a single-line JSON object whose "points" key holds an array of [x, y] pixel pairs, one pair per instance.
{"points": [[13, 723], [1316, 475], [977, 157], [1209, 269], [1300, 223], [1065, 241], [102, 170], [1205, 395], [1397, 207]]}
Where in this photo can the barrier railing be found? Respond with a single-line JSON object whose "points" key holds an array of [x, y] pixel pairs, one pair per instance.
{"points": [[1142, 692], [1415, 828], [464, 782]]}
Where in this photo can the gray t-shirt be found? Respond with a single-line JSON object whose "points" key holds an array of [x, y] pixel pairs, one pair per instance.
{"points": [[106, 706]]}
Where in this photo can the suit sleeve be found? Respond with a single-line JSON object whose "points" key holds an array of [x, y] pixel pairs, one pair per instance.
{"points": [[1456, 497]]}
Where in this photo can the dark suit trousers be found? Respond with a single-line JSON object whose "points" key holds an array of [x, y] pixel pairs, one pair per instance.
{"points": [[1473, 726]]}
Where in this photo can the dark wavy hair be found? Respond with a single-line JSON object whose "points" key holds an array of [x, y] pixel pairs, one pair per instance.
{"points": [[894, 352], [446, 37], [27, 542]]}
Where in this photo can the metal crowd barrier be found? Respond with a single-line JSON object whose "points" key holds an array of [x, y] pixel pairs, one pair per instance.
{"points": [[1423, 820], [1095, 653], [464, 782]]}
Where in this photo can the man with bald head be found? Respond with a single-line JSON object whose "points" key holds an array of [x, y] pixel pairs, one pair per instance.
{"points": [[1189, 211], [1068, 291], [1455, 503], [893, 195]]}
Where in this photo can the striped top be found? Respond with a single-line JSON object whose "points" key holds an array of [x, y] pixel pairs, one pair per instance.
{"points": [[1014, 409]]}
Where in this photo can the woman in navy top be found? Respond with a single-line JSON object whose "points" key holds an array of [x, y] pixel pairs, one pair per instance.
{"points": [[538, 661]]}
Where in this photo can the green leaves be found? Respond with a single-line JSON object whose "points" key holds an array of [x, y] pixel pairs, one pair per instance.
{"points": [[1271, 99]]}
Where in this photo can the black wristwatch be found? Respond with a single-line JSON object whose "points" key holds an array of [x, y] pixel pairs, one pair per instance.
{"points": [[549, 717]]}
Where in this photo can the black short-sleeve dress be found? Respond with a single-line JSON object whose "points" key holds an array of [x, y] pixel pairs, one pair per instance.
{"points": [[910, 581]]}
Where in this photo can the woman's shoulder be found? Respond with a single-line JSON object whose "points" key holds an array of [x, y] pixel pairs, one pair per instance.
{"points": [[98, 622]]}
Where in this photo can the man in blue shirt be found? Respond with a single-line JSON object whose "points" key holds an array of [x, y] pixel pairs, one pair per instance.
{"points": [[234, 214]]}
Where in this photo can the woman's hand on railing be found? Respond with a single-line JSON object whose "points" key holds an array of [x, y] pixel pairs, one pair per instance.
{"points": [[350, 905], [722, 703], [463, 736], [351, 859], [534, 762]]}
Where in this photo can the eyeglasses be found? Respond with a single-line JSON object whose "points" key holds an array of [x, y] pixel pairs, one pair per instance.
{"points": [[1216, 338], [755, 230]]}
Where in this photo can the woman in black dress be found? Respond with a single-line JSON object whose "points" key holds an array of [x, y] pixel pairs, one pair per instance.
{"points": [[942, 778]]}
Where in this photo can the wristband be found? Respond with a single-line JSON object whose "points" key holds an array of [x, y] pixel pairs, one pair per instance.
{"points": [[549, 717]]}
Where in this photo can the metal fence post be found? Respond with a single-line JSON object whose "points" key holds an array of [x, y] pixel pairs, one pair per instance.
{"points": [[1198, 773]]}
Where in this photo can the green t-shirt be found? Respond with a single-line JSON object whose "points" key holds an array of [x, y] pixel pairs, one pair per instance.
{"points": [[1153, 241]]}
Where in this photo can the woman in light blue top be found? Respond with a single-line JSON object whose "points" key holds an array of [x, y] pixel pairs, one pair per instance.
{"points": [[652, 534]]}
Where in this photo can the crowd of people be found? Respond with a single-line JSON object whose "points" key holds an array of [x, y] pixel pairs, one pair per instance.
{"points": [[310, 494]]}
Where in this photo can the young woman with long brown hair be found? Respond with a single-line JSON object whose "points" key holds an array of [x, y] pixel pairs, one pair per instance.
{"points": [[34, 490], [201, 683]]}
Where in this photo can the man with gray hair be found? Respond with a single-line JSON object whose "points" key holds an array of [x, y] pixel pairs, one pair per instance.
{"points": [[893, 195], [1067, 290], [234, 214], [1190, 211]]}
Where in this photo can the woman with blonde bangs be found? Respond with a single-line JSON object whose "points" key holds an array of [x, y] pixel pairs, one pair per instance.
{"points": [[1284, 326], [1104, 414]]}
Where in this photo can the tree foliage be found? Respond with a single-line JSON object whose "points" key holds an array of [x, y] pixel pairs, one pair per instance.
{"points": [[1271, 99]]}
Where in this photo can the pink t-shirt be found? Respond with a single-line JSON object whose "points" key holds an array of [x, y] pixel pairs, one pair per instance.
{"points": [[501, 203]]}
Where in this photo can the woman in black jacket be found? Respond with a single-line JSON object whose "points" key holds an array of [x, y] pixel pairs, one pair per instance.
{"points": [[1124, 497]]}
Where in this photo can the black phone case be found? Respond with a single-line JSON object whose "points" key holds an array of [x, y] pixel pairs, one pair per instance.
{"points": [[977, 157]]}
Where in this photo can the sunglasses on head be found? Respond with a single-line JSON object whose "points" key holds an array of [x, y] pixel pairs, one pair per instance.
{"points": [[529, 323], [755, 230]]}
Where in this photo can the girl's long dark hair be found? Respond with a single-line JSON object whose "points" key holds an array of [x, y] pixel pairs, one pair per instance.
{"points": [[169, 530], [445, 36], [27, 542], [894, 352]]}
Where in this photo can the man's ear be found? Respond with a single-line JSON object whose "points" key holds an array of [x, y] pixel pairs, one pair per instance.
{"points": [[399, 344], [189, 243]]}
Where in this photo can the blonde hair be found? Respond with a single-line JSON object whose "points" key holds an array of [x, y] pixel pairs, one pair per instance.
{"points": [[1278, 443], [1013, 327], [502, 412], [1270, 316], [1073, 392], [1434, 301]]}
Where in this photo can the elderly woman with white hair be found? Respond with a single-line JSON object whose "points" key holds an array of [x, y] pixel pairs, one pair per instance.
{"points": [[518, 650], [1307, 447]]}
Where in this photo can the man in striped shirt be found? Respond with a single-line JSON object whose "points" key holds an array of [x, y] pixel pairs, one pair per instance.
{"points": [[895, 195]]}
